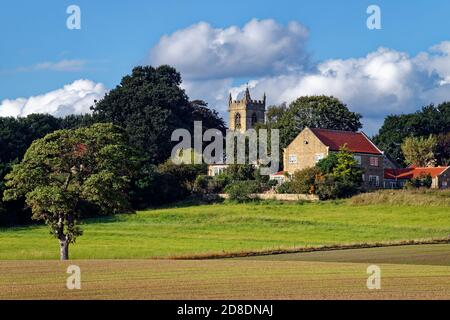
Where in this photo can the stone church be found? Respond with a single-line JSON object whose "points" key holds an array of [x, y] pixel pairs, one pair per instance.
{"points": [[246, 113]]}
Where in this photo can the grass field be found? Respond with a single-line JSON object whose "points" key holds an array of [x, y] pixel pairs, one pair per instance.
{"points": [[222, 228], [318, 275]]}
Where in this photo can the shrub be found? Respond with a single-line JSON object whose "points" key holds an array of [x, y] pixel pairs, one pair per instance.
{"points": [[241, 191], [304, 181], [329, 187], [285, 187]]}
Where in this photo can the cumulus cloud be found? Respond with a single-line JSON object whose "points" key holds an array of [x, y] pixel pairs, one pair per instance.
{"points": [[274, 57], [74, 98], [383, 82], [61, 66], [259, 48]]}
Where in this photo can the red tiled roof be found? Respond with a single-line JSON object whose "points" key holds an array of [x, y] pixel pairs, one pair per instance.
{"points": [[414, 172], [355, 141]]}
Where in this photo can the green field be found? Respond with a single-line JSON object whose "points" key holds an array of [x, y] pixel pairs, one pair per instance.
{"points": [[218, 228], [317, 275]]}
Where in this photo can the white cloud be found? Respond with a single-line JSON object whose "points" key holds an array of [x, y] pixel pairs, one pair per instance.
{"points": [[384, 82], [74, 98], [259, 48], [61, 66], [275, 58]]}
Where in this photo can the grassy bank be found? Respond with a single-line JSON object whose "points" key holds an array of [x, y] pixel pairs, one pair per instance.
{"points": [[222, 228]]}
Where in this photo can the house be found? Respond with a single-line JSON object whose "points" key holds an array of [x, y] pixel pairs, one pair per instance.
{"points": [[396, 178], [216, 169], [314, 144], [280, 177]]}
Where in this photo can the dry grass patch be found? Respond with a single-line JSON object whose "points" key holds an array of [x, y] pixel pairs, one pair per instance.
{"points": [[420, 197]]}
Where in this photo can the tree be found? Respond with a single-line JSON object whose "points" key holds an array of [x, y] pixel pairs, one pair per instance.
{"points": [[420, 151], [443, 149], [430, 119], [304, 181], [150, 104], [68, 169], [315, 112]]}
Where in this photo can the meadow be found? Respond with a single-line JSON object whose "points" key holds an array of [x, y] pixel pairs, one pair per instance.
{"points": [[223, 228]]}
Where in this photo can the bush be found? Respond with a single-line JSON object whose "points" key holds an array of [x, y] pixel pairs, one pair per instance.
{"points": [[424, 181], [304, 181], [285, 187], [241, 191], [329, 187]]}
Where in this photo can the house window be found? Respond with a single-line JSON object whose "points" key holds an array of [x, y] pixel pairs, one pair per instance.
{"points": [[292, 158], [374, 161], [318, 157], [358, 159], [374, 181]]}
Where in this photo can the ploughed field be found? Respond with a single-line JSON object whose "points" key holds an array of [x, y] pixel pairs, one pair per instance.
{"points": [[223, 228], [407, 272]]}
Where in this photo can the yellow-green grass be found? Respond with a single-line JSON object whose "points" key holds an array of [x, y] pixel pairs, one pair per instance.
{"points": [[279, 277], [221, 228]]}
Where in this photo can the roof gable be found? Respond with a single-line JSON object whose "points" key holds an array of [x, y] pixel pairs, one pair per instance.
{"points": [[356, 142]]}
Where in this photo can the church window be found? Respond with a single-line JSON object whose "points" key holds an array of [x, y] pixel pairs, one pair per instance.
{"points": [[254, 119], [237, 121]]}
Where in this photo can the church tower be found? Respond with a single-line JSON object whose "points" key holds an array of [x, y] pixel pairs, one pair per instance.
{"points": [[246, 113]]}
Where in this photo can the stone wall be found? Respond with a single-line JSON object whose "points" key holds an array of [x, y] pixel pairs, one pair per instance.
{"points": [[279, 196]]}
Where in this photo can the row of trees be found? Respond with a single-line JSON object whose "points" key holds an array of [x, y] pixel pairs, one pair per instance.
{"points": [[430, 120], [115, 160]]}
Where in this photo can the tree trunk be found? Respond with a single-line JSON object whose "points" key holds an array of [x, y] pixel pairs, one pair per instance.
{"points": [[64, 249]]}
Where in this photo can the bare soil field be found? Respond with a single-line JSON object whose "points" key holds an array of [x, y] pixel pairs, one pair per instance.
{"points": [[328, 275]]}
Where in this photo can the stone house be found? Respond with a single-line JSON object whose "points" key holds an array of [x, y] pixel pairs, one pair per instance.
{"points": [[314, 144]]}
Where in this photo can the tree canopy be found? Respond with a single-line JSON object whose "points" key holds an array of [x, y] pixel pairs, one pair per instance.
{"points": [[430, 119], [69, 170], [149, 104]]}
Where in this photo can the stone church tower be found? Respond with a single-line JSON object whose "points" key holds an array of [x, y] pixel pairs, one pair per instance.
{"points": [[246, 113]]}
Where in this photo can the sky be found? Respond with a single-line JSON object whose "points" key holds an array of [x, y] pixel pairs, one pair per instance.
{"points": [[284, 48]]}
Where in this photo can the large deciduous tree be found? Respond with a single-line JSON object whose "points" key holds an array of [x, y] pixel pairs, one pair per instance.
{"points": [[314, 112], [69, 169], [150, 104], [430, 119]]}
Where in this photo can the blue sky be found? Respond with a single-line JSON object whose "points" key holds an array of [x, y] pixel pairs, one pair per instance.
{"points": [[117, 35]]}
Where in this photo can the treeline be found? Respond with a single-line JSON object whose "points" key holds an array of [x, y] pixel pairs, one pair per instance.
{"points": [[148, 104], [430, 120]]}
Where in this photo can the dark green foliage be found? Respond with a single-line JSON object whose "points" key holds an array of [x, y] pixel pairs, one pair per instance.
{"points": [[149, 104], [424, 181], [67, 168], [431, 119], [175, 182], [210, 185], [336, 176], [241, 172], [315, 112], [303, 181], [240, 191]]}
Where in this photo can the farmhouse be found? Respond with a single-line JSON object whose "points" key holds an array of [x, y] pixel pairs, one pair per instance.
{"points": [[396, 178], [314, 144]]}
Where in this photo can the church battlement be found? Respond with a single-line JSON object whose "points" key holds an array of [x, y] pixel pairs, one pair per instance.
{"points": [[247, 112]]}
